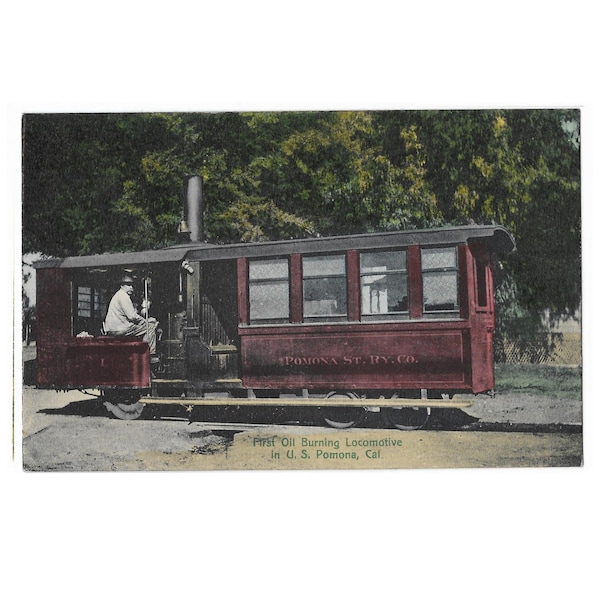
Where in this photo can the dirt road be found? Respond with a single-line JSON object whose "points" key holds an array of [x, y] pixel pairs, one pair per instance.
{"points": [[72, 432]]}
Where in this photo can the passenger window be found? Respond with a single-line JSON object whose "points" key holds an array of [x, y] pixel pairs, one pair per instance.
{"points": [[324, 286], [91, 302], [440, 279], [269, 290], [383, 283]]}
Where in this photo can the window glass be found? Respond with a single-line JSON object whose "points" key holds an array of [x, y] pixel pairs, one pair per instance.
{"points": [[439, 292], [324, 286], [100, 303], [440, 279], [84, 302], [480, 272], [269, 300], [268, 269], [320, 266], [91, 302], [269, 290], [383, 283], [438, 258]]}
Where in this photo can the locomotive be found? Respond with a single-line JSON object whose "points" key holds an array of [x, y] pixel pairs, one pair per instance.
{"points": [[395, 322]]}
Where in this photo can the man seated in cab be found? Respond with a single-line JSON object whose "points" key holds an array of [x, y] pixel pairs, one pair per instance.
{"points": [[123, 319]]}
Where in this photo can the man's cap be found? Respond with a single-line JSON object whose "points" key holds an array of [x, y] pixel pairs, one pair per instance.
{"points": [[127, 279]]}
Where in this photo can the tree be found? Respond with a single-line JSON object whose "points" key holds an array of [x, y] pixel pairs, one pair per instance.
{"points": [[330, 171], [96, 183], [518, 168]]}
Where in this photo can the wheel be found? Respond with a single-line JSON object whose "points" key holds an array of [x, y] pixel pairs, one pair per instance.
{"points": [[407, 418], [123, 405], [125, 412], [342, 417]]}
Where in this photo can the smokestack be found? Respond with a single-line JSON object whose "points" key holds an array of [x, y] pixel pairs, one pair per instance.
{"points": [[194, 208]]}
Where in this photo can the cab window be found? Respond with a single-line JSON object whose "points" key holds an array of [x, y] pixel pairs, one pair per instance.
{"points": [[91, 302]]}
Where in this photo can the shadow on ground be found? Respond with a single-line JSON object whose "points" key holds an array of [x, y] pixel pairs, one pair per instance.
{"points": [[446, 419], [81, 408]]}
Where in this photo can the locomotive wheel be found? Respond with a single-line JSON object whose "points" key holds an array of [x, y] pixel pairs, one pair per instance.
{"points": [[407, 418], [125, 412], [342, 417], [123, 406]]}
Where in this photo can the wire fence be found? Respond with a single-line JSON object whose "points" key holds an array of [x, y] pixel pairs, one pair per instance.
{"points": [[543, 349]]}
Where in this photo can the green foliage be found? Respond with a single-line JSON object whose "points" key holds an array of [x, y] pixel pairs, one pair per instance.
{"points": [[518, 168], [108, 182]]}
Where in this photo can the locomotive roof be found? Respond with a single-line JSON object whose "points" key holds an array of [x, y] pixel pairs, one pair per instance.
{"points": [[497, 238]]}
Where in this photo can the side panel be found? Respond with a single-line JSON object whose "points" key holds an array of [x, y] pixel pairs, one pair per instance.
{"points": [[53, 324], [415, 285], [482, 317], [108, 361], [391, 356], [242, 291], [296, 288], [483, 354], [353, 283]]}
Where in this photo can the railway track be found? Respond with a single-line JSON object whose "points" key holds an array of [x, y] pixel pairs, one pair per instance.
{"points": [[443, 420]]}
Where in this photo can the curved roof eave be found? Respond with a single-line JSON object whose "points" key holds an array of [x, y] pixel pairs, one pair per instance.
{"points": [[497, 238], [173, 254]]}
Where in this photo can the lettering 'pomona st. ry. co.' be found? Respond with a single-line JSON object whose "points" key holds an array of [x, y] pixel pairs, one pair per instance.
{"points": [[371, 359]]}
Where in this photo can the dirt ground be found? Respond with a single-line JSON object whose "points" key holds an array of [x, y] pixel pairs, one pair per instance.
{"points": [[70, 432]]}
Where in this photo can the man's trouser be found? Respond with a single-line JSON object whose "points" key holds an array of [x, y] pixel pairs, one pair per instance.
{"points": [[144, 330]]}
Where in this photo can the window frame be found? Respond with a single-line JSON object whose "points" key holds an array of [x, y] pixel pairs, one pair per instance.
{"points": [[390, 315], [97, 306], [428, 313], [266, 280], [99, 299], [331, 317]]}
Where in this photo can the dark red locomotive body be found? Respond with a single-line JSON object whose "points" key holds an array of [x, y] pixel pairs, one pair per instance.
{"points": [[385, 315]]}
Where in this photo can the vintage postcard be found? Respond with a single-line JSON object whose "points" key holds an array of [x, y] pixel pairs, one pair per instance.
{"points": [[297, 300], [301, 290]]}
